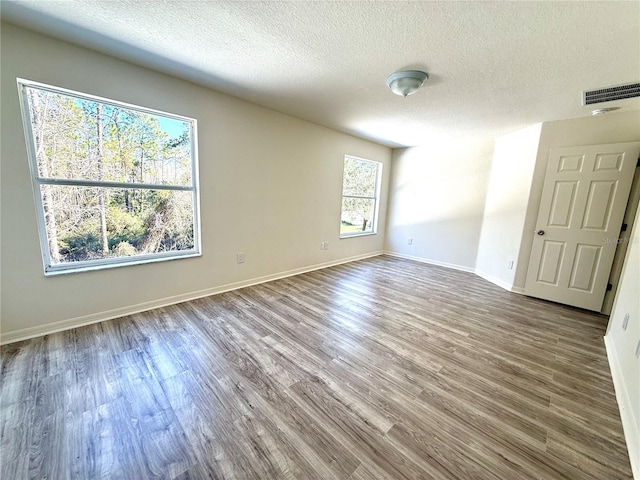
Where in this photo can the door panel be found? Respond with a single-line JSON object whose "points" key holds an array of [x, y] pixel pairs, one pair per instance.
{"points": [[609, 162], [571, 163], [584, 196], [585, 267], [552, 256], [562, 205], [600, 201]]}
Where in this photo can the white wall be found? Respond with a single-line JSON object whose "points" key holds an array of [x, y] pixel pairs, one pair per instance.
{"points": [[621, 346], [514, 161], [611, 128], [438, 193], [270, 187], [437, 196]]}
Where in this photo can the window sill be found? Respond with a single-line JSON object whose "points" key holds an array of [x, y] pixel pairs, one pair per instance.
{"points": [[52, 272], [359, 234]]}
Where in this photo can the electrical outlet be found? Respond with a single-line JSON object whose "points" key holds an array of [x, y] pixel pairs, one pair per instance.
{"points": [[410, 241], [510, 264], [625, 322], [324, 245], [240, 258]]}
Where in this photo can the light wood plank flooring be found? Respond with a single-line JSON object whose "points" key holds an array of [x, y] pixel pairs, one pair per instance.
{"points": [[378, 369]]}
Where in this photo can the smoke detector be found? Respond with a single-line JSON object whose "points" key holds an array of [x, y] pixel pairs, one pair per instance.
{"points": [[604, 111]]}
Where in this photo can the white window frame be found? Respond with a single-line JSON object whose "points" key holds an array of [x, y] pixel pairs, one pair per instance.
{"points": [[375, 197], [87, 265]]}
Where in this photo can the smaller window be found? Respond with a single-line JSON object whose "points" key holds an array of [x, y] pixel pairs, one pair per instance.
{"points": [[360, 195]]}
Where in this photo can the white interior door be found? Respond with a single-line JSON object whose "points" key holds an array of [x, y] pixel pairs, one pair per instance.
{"points": [[584, 197]]}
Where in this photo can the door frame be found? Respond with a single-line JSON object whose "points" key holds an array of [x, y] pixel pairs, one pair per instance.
{"points": [[633, 203]]}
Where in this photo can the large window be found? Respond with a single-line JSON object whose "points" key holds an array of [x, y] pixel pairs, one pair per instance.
{"points": [[114, 183], [360, 194]]}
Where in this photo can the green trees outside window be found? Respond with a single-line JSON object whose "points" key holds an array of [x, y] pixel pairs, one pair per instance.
{"points": [[114, 183], [360, 193]]}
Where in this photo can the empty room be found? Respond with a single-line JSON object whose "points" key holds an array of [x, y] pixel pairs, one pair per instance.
{"points": [[319, 240]]}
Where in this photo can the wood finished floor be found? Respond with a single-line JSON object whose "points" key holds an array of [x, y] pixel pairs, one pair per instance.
{"points": [[378, 369]]}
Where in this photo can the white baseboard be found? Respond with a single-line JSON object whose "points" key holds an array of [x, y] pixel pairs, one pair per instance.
{"points": [[629, 425], [431, 262], [494, 280], [480, 273], [31, 332], [500, 283]]}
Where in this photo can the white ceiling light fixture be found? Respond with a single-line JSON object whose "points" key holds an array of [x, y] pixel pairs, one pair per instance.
{"points": [[406, 82]]}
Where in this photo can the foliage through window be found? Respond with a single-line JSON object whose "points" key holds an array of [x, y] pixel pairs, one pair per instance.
{"points": [[114, 183], [360, 194]]}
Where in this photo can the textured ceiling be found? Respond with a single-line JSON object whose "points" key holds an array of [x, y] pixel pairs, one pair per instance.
{"points": [[494, 66]]}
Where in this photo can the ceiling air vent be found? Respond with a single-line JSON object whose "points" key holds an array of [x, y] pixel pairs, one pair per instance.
{"points": [[609, 94]]}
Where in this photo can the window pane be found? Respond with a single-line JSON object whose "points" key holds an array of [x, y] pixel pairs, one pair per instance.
{"points": [[357, 215], [89, 223], [82, 139], [359, 177]]}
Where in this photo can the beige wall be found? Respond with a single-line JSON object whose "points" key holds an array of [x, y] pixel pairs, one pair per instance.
{"points": [[270, 187], [514, 160], [621, 347], [611, 128], [437, 197]]}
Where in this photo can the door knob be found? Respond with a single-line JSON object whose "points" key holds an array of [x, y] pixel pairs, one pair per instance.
{"points": [[540, 232]]}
